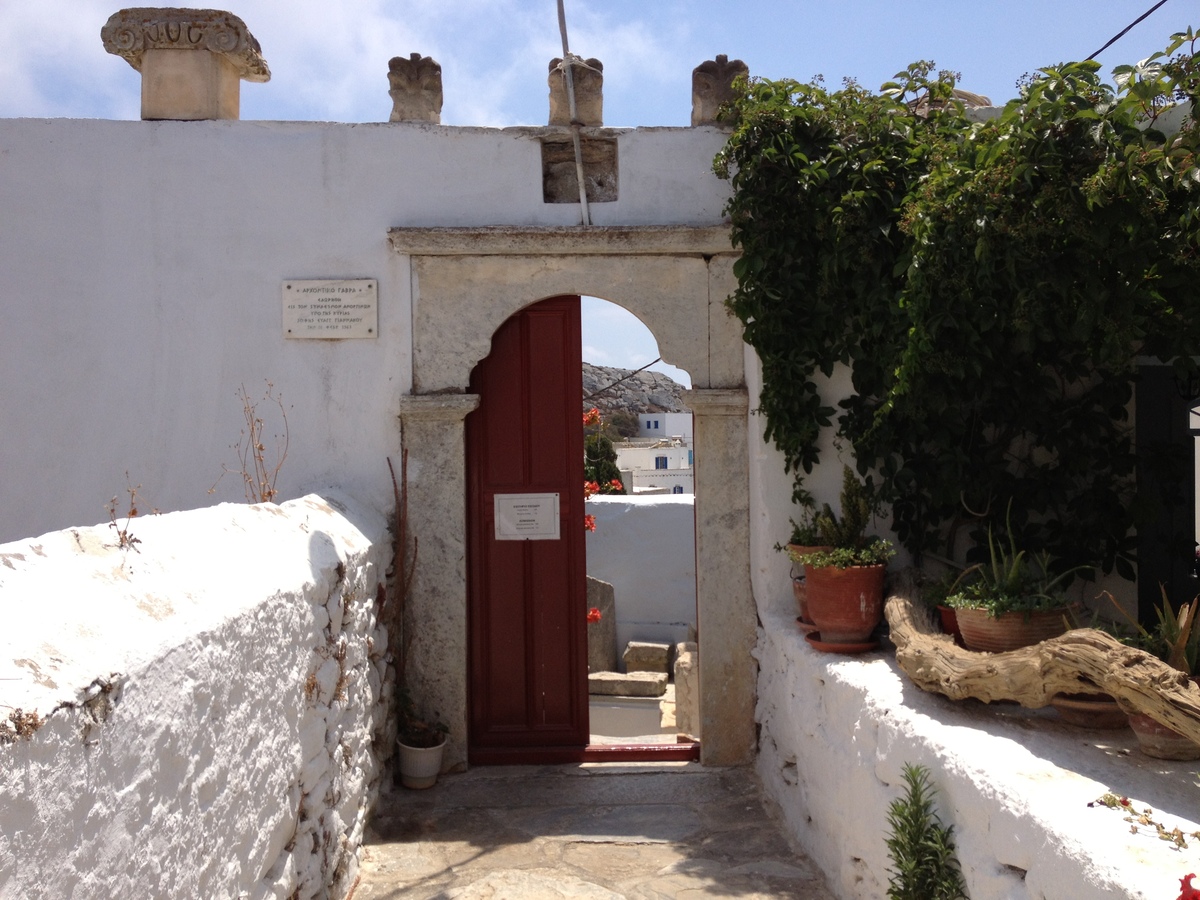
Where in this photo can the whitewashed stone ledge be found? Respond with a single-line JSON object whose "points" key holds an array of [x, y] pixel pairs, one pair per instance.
{"points": [[836, 732], [233, 751]]}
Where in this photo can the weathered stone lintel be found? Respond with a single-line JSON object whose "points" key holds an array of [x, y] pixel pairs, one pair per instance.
{"points": [[129, 33], [437, 407], [717, 401], [611, 240]]}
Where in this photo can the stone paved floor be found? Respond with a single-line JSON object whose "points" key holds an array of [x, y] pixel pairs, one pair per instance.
{"points": [[589, 832]]}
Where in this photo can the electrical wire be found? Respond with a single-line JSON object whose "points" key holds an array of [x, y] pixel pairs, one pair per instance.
{"points": [[609, 387], [1118, 36]]}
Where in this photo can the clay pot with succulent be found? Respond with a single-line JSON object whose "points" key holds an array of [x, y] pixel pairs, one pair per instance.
{"points": [[1013, 600], [845, 577]]}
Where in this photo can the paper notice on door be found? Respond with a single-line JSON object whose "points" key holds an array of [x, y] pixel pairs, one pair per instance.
{"points": [[526, 517]]}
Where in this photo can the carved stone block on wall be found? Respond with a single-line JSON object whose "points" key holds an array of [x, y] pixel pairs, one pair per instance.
{"points": [[588, 76], [559, 181], [712, 85], [415, 88]]}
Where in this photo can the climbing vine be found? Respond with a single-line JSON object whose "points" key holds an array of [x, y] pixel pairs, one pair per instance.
{"points": [[989, 284]]}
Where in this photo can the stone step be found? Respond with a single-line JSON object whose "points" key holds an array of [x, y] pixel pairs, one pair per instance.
{"points": [[628, 684], [647, 656]]}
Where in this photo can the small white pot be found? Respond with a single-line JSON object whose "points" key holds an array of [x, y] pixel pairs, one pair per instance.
{"points": [[419, 766]]}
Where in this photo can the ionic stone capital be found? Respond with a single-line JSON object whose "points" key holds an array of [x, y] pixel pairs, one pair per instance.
{"points": [[712, 85], [131, 32], [416, 89]]}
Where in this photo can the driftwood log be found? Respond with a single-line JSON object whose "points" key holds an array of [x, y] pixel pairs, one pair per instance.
{"points": [[1079, 662]]}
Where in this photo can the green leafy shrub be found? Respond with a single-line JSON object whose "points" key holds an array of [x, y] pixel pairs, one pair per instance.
{"points": [[990, 285], [920, 847]]}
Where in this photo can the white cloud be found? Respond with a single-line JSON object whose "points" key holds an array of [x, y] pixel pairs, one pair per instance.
{"points": [[52, 62]]}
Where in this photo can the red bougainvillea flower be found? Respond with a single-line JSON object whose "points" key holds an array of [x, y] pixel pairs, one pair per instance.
{"points": [[594, 614], [616, 485], [591, 417], [1188, 892], [589, 522], [590, 489]]}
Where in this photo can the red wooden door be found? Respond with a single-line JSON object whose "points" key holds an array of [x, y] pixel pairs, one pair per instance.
{"points": [[526, 610]]}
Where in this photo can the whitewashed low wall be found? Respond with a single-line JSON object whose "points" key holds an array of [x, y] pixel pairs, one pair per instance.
{"points": [[836, 732], [211, 703], [645, 547]]}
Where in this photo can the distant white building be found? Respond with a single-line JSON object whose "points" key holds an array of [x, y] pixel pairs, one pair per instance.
{"points": [[666, 425], [659, 466]]}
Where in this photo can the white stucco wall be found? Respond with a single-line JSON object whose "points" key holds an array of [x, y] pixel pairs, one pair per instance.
{"points": [[212, 704], [141, 266], [644, 547], [836, 732]]}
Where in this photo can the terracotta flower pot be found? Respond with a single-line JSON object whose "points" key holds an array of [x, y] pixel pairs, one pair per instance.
{"points": [[948, 619], [1161, 742], [1010, 630], [845, 604], [1099, 712], [799, 587], [800, 592]]}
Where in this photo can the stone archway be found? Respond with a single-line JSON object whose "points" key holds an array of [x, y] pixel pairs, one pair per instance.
{"points": [[466, 282]]}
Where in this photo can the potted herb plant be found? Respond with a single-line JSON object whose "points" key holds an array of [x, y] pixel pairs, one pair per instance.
{"points": [[421, 742], [845, 580], [805, 538], [1014, 600]]}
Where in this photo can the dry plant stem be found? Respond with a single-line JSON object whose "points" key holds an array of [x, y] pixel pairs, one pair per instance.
{"points": [[125, 537], [1079, 661], [258, 476], [260, 486]]}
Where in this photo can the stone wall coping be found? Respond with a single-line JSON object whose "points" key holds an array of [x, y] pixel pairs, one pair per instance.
{"points": [[717, 401], [129, 33], [437, 407], [609, 240]]}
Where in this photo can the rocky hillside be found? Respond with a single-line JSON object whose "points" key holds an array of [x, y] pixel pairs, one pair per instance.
{"points": [[644, 392]]}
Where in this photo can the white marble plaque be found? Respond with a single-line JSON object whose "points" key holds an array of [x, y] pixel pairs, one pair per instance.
{"points": [[331, 310], [526, 517]]}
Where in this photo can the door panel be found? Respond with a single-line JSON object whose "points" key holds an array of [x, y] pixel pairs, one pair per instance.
{"points": [[526, 609]]}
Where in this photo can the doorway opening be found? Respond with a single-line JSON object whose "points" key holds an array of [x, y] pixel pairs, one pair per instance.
{"points": [[642, 551], [469, 281], [1166, 431], [527, 612]]}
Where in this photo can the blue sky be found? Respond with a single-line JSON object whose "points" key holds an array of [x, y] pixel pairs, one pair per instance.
{"points": [[328, 58]]}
